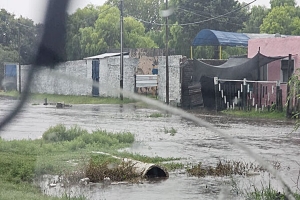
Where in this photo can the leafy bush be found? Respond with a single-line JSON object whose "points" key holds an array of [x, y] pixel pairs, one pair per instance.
{"points": [[60, 133]]}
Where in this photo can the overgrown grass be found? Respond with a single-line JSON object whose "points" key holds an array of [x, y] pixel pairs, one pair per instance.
{"points": [[268, 194], [25, 191], [256, 114], [146, 159], [157, 115], [101, 166], [224, 168], [69, 99], [61, 151], [171, 130]]}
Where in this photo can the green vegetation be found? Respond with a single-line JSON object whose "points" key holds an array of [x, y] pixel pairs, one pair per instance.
{"points": [[268, 194], [172, 131], [11, 191], [62, 151], [156, 115], [171, 166], [101, 166], [225, 168], [68, 99], [256, 114], [144, 158]]}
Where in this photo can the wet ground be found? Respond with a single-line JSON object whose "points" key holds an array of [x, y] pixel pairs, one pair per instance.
{"points": [[272, 140]]}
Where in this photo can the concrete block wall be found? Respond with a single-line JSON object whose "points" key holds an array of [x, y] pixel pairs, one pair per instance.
{"points": [[110, 75], [174, 78], [60, 80]]}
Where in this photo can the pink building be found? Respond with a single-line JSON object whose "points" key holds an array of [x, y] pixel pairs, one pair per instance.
{"points": [[277, 70]]}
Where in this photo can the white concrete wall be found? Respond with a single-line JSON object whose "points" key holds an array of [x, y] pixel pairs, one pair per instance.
{"points": [[48, 81], [62, 80], [174, 78], [110, 75]]}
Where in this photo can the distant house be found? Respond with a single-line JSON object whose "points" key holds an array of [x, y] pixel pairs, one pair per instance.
{"points": [[277, 46]]}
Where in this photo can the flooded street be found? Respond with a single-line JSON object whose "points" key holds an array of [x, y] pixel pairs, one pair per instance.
{"points": [[193, 144]]}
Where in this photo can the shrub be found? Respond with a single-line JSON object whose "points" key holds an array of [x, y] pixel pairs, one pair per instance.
{"points": [[60, 133]]}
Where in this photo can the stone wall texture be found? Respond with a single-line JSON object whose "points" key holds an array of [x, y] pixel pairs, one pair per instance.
{"points": [[174, 79], [75, 77]]}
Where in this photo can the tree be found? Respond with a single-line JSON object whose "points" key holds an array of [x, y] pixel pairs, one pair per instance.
{"points": [[82, 18], [146, 10], [195, 15], [11, 28], [257, 14], [277, 3], [105, 33], [134, 35], [280, 20]]}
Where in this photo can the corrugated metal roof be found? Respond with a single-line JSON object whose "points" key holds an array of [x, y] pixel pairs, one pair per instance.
{"points": [[207, 37], [105, 55]]}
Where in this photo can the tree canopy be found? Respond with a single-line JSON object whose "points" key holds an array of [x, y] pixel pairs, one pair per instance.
{"points": [[103, 32], [96, 29], [281, 20]]}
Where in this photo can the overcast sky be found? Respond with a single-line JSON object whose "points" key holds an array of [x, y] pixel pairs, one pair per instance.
{"points": [[34, 9]]}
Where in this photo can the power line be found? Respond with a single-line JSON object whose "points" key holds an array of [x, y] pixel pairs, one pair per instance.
{"points": [[199, 22], [209, 17]]}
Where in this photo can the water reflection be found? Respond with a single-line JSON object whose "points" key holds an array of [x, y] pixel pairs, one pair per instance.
{"points": [[191, 143]]}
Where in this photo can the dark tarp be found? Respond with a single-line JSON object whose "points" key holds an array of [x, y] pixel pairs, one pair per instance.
{"points": [[233, 69]]}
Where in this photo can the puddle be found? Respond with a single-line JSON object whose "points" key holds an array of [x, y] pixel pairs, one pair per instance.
{"points": [[193, 144]]}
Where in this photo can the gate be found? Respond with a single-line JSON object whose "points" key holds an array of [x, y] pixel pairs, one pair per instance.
{"points": [[246, 94]]}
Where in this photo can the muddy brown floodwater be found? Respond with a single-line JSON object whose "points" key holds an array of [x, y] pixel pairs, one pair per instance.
{"points": [[272, 140]]}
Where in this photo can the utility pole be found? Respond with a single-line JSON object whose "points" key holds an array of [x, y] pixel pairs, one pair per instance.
{"points": [[121, 54], [19, 52], [167, 58]]}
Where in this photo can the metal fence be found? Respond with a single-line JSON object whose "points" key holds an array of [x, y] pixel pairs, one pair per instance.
{"points": [[246, 94]]}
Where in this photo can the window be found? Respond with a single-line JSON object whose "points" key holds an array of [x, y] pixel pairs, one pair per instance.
{"points": [[284, 70], [263, 73]]}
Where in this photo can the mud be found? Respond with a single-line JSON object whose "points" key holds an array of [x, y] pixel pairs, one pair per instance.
{"points": [[272, 140]]}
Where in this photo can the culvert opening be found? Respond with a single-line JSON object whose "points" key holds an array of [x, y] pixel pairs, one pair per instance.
{"points": [[156, 172]]}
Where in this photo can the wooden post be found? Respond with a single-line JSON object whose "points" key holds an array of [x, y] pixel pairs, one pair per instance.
{"points": [[244, 94], [260, 95], [278, 97], [135, 90], [216, 91], [288, 109]]}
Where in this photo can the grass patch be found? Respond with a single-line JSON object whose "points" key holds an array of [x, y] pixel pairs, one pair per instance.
{"points": [[268, 194], [146, 159], [172, 131], [156, 115], [256, 114], [60, 151], [10, 191], [67, 152], [69, 99], [225, 168], [101, 166], [172, 166]]}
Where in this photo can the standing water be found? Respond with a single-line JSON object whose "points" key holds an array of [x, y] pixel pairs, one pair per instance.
{"points": [[193, 144]]}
